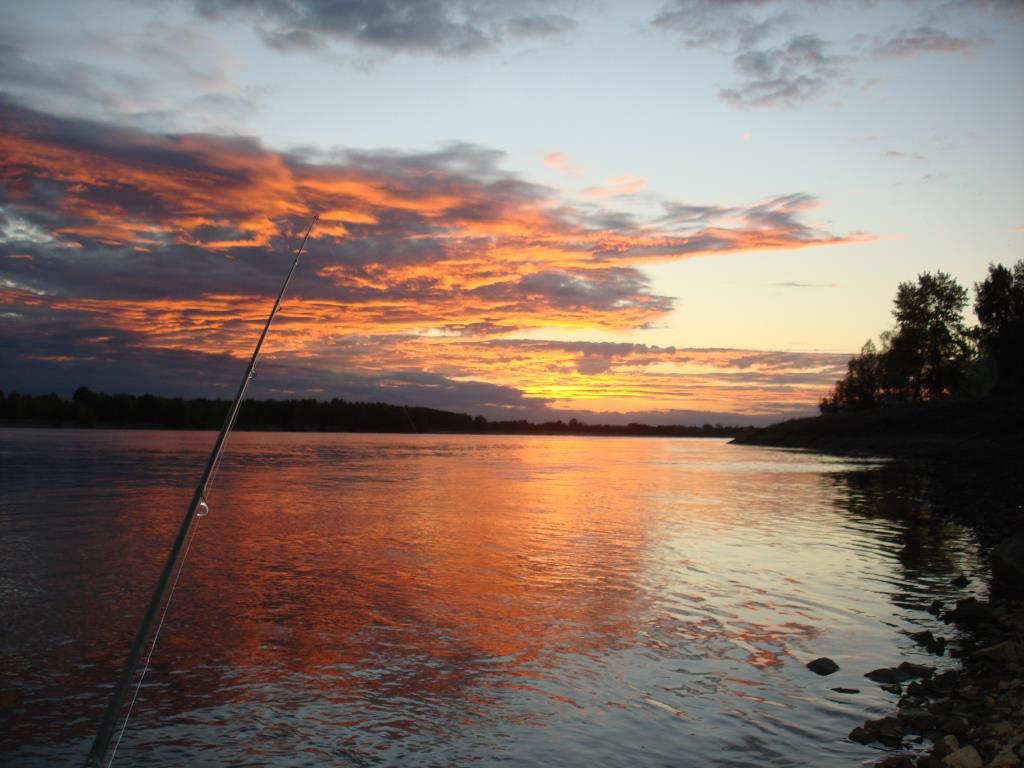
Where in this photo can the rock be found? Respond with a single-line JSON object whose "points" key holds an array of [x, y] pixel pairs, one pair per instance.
{"points": [[1006, 759], [886, 730], [1008, 566], [822, 666], [968, 611], [897, 761], [965, 757], [917, 720], [1000, 728], [890, 732], [862, 734], [1005, 652], [935, 608], [917, 670], [947, 680], [955, 724], [947, 745], [889, 675], [846, 690], [924, 638], [960, 581]]}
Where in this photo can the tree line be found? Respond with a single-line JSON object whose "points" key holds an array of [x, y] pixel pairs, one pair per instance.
{"points": [[87, 408], [931, 353]]}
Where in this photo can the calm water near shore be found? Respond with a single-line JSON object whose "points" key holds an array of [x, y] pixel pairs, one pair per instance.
{"points": [[454, 600]]}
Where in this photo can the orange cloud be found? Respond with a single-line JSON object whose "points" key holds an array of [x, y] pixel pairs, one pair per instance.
{"points": [[438, 250], [617, 186], [559, 162]]}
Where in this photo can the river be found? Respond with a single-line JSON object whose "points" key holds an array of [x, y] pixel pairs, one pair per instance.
{"points": [[461, 600]]}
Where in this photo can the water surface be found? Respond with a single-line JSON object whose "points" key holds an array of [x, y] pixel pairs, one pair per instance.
{"points": [[459, 600]]}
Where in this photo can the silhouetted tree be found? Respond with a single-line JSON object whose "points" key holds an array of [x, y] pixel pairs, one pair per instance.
{"points": [[921, 358], [930, 342], [861, 387], [96, 409], [999, 305]]}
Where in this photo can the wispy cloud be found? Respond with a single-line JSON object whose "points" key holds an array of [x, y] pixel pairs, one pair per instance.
{"points": [[617, 186], [797, 284], [160, 77], [444, 27], [781, 58], [559, 162], [896, 154], [789, 75], [921, 41]]}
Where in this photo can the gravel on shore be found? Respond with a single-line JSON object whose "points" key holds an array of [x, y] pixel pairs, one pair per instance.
{"points": [[972, 717]]}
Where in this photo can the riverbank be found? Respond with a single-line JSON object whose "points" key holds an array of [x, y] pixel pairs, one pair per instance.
{"points": [[922, 430], [972, 717], [97, 410], [967, 456]]}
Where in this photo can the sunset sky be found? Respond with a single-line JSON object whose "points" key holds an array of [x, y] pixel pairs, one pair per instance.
{"points": [[673, 211]]}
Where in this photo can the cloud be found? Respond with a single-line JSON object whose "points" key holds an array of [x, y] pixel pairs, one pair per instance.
{"points": [[559, 162], [798, 70], [787, 76], [897, 154], [924, 40], [120, 247], [617, 186], [443, 27], [712, 23], [782, 60], [498, 378], [795, 284], [1011, 10], [160, 76]]}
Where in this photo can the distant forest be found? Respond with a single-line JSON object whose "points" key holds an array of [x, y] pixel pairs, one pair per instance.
{"points": [[94, 409], [932, 354]]}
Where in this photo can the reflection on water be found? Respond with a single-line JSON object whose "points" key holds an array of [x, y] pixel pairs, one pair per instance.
{"points": [[442, 600]]}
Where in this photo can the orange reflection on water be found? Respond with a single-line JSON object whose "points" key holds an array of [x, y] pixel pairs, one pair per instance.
{"points": [[445, 590]]}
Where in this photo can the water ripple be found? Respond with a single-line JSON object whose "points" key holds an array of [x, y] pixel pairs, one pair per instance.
{"points": [[392, 600]]}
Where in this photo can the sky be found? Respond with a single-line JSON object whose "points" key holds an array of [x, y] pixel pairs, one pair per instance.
{"points": [[675, 211]]}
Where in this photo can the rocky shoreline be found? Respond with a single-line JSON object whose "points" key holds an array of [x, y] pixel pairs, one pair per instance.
{"points": [[972, 717], [966, 455]]}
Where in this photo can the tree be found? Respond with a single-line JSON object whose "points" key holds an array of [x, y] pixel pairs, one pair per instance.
{"points": [[861, 387], [999, 305], [930, 342]]}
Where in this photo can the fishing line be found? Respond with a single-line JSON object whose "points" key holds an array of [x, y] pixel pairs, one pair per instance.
{"points": [[156, 636]]}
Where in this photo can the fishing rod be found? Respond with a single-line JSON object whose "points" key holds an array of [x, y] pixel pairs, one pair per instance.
{"points": [[197, 508]]}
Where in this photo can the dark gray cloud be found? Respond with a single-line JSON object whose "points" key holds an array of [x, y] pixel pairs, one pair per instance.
{"points": [[159, 77], [787, 76], [614, 288], [42, 353], [781, 62], [445, 27], [722, 24], [1012, 10], [922, 41], [688, 215]]}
